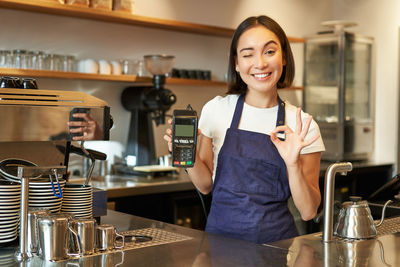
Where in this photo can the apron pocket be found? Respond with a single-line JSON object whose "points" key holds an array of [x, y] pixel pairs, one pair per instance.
{"points": [[231, 213], [252, 176]]}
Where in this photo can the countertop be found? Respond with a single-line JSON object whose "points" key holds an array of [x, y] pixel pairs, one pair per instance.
{"points": [[357, 165], [202, 249], [128, 185]]}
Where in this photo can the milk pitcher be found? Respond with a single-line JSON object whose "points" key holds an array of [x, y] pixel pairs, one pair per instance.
{"points": [[54, 237], [33, 241]]}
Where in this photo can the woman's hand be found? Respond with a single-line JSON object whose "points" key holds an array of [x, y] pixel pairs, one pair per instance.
{"points": [[168, 136], [201, 173], [88, 128], [290, 148]]}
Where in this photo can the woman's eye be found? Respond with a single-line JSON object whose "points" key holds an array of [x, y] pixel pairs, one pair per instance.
{"points": [[247, 55], [270, 52]]}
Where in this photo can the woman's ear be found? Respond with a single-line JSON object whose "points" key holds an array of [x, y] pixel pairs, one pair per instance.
{"points": [[236, 65]]}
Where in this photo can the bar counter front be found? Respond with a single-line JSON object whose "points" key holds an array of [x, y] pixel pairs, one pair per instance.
{"points": [[174, 245]]}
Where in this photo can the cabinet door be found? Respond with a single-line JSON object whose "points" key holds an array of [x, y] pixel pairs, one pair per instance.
{"points": [[322, 74], [358, 97]]}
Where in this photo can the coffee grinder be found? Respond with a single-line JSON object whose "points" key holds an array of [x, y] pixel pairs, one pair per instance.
{"points": [[148, 103]]}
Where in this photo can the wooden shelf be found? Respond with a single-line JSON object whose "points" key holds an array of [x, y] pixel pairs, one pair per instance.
{"points": [[112, 78], [56, 8], [179, 81], [100, 77], [71, 75]]}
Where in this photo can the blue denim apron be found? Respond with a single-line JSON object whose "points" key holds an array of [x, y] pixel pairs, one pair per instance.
{"points": [[251, 187]]}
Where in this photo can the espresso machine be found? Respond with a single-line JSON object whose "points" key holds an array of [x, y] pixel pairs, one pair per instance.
{"points": [[147, 104], [35, 141]]}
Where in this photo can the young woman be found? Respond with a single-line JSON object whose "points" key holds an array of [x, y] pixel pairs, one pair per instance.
{"points": [[255, 150]]}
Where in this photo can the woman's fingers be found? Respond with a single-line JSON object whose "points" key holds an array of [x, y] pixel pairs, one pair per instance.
{"points": [[77, 123], [77, 130], [306, 127], [282, 128], [84, 116], [312, 140], [168, 137], [299, 123], [169, 140]]}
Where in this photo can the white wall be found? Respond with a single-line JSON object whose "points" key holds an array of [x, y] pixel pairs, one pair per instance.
{"points": [[94, 39]]}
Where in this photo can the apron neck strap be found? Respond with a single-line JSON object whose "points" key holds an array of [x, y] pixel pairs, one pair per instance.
{"points": [[239, 108]]}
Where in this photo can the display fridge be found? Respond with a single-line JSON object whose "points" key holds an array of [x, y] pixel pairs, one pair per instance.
{"points": [[338, 93]]}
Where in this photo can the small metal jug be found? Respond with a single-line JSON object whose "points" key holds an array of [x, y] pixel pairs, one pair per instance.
{"points": [[54, 237], [85, 229], [355, 220], [33, 240]]}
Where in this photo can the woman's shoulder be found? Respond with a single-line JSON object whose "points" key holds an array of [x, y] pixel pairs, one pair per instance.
{"points": [[222, 102], [291, 111]]}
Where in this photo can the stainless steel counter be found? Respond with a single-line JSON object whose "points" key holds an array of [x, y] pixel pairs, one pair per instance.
{"points": [[308, 250], [127, 185], [202, 249], [124, 185]]}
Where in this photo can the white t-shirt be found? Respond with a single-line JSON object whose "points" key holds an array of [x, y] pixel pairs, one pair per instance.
{"points": [[217, 114]]}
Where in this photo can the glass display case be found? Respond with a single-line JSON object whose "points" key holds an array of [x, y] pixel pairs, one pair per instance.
{"points": [[339, 93]]}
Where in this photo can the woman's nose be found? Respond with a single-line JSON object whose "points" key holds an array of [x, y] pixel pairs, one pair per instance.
{"points": [[261, 62]]}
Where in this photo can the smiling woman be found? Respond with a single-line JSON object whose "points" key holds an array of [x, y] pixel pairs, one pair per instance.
{"points": [[251, 171]]}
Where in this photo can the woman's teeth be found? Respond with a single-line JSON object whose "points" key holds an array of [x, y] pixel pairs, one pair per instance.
{"points": [[263, 75]]}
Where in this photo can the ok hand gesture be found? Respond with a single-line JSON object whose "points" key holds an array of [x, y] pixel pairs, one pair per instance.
{"points": [[290, 148]]}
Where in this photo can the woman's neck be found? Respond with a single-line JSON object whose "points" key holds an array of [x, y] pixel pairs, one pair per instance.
{"points": [[262, 100]]}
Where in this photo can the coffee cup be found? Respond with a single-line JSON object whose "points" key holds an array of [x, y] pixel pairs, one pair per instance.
{"points": [[10, 82], [116, 68], [104, 67], [29, 83], [88, 66]]}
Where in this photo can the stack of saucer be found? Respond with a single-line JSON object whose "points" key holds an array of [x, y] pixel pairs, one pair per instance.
{"points": [[9, 169], [41, 194], [10, 196], [77, 200]]}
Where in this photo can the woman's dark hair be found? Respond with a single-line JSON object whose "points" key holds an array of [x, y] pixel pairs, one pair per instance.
{"points": [[235, 83]]}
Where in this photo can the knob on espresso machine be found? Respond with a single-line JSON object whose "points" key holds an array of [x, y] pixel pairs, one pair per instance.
{"points": [[148, 103]]}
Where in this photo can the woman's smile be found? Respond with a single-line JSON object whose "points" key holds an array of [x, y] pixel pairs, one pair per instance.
{"points": [[262, 76]]}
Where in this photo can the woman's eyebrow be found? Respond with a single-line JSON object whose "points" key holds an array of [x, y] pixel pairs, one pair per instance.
{"points": [[250, 48]]}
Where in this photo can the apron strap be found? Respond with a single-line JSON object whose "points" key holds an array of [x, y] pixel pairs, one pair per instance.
{"points": [[280, 120], [238, 112], [239, 108]]}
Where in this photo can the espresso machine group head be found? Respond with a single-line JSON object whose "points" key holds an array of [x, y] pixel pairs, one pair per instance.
{"points": [[148, 103]]}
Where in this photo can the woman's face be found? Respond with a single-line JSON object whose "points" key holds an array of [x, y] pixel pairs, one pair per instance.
{"points": [[259, 59]]}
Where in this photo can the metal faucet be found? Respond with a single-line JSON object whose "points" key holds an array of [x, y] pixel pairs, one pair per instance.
{"points": [[342, 168]]}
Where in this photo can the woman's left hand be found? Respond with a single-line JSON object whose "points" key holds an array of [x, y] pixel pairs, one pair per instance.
{"points": [[294, 142], [88, 128]]}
